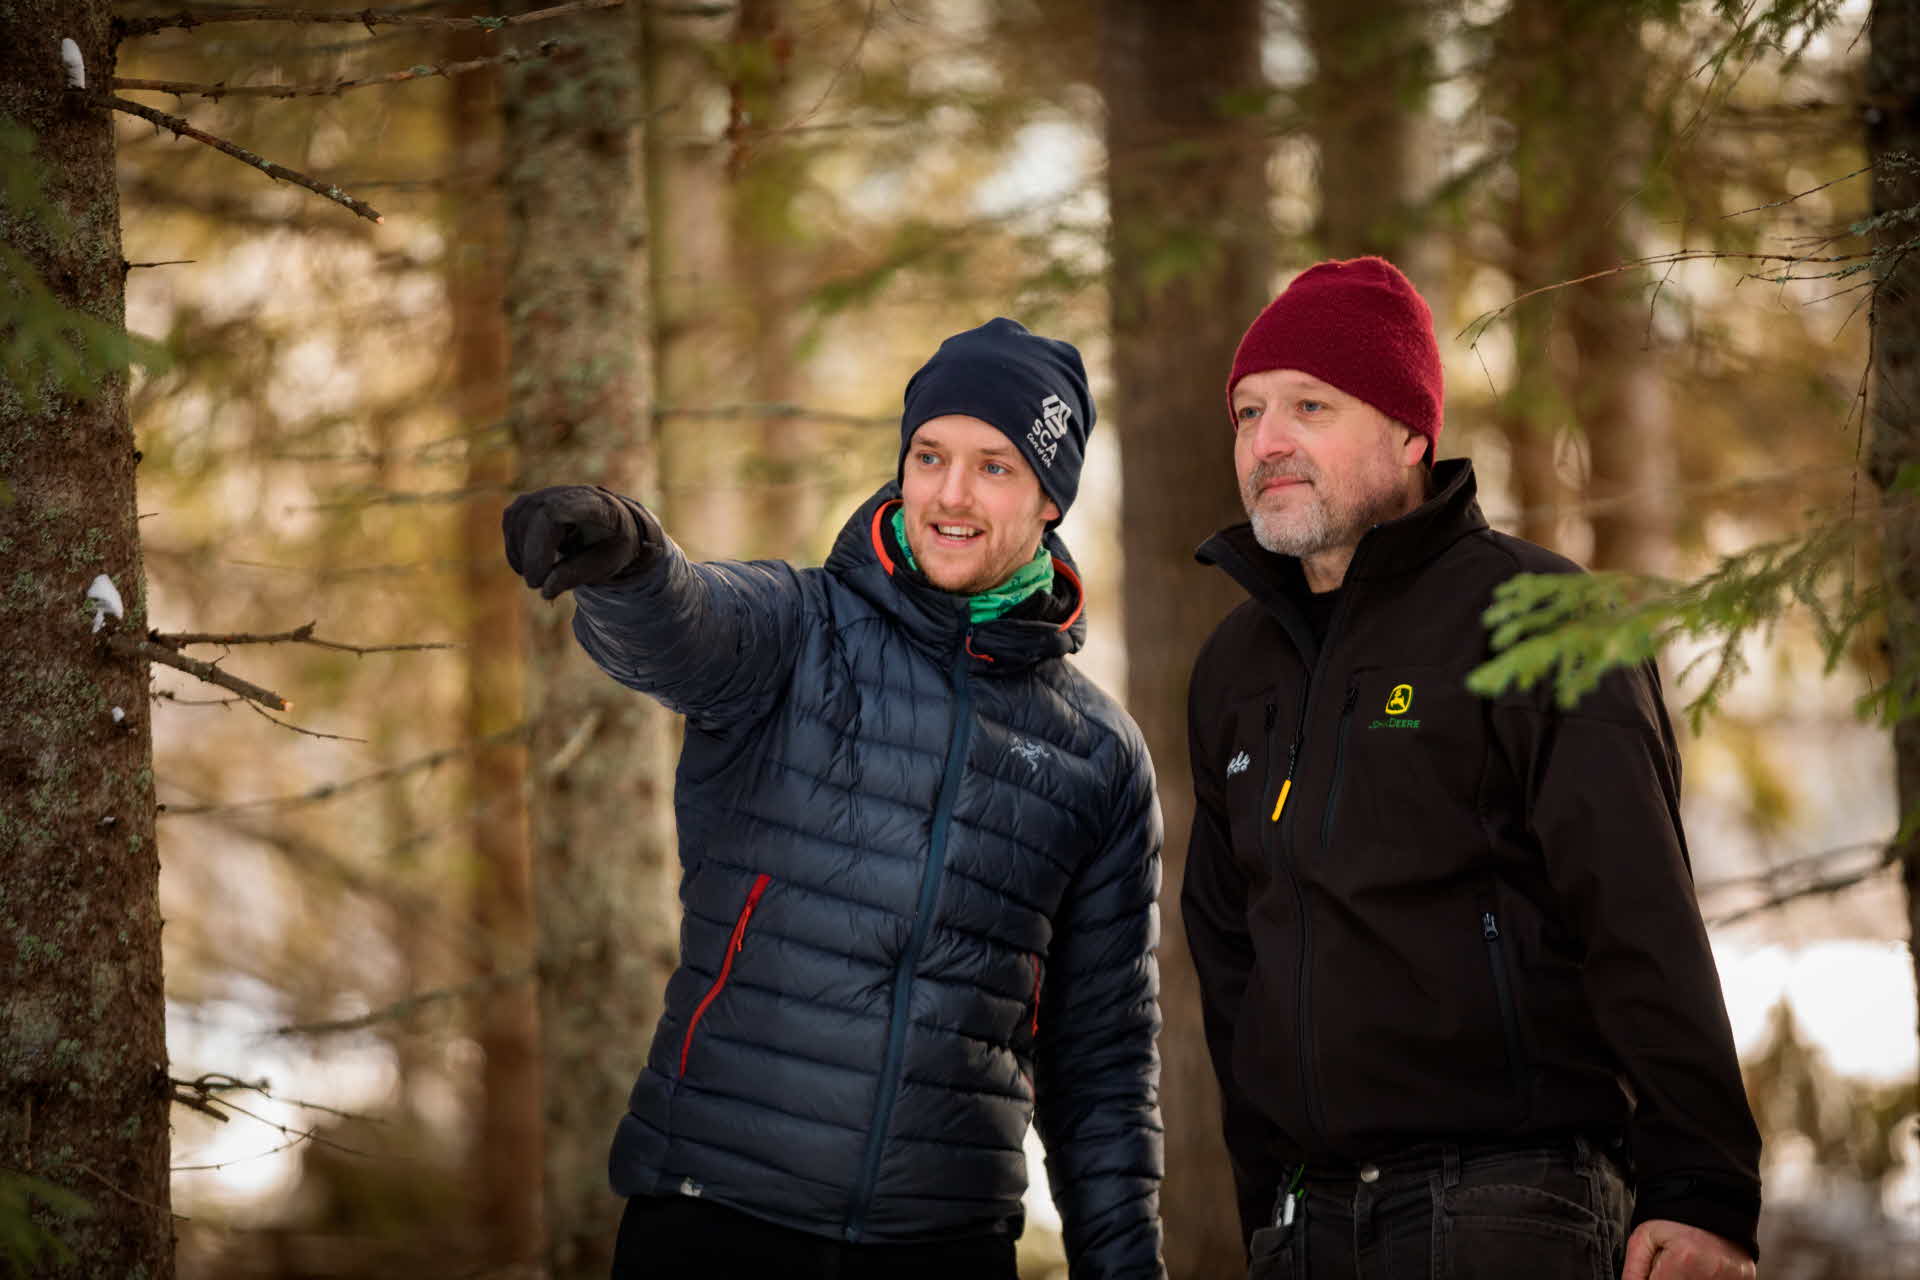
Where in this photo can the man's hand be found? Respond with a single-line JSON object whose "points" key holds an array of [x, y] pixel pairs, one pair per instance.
{"points": [[1662, 1250], [568, 536]]}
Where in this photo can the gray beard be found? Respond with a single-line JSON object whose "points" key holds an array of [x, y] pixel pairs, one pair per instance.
{"points": [[1318, 530]]}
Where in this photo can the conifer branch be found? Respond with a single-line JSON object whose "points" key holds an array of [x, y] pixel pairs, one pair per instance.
{"points": [[147, 651], [215, 92], [186, 19], [280, 172]]}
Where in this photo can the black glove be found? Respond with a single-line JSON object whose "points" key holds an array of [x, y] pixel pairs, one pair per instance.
{"points": [[571, 535]]}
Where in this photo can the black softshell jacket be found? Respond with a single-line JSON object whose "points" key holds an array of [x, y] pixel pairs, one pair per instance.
{"points": [[1472, 919], [921, 858]]}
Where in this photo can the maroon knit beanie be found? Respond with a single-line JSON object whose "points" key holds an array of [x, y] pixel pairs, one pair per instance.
{"points": [[1358, 325]]}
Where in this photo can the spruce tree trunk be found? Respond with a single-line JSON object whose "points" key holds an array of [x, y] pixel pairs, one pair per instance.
{"points": [[1580, 124], [1189, 268], [1616, 382], [505, 1158], [1893, 148], [1366, 110], [580, 408], [766, 176], [83, 1057]]}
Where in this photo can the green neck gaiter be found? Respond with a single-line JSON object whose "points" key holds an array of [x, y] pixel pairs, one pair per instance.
{"points": [[1034, 576]]}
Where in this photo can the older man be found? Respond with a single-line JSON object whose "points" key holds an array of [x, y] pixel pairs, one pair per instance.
{"points": [[921, 857], [1457, 990]]}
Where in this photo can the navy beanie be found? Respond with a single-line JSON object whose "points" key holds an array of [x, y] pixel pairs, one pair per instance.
{"points": [[1033, 389]]}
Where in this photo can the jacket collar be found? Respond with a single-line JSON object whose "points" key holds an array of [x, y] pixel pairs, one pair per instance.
{"points": [[1387, 550], [865, 558]]}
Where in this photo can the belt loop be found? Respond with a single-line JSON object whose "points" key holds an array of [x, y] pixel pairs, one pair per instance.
{"points": [[1450, 1165]]}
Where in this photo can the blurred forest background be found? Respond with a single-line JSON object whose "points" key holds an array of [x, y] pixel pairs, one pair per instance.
{"points": [[416, 920]]}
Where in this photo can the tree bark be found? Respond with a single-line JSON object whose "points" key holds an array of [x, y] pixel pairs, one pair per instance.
{"points": [[506, 1155], [1372, 69], [766, 176], [83, 1058], [1576, 107], [580, 410], [1893, 141], [1189, 268]]}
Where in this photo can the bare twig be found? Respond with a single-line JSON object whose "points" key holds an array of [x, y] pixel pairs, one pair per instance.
{"points": [[410, 1005], [1484, 322], [114, 1187], [801, 411], [181, 128], [170, 262], [1825, 887], [199, 1094], [215, 92], [311, 733], [302, 634], [168, 695], [147, 651], [368, 18], [330, 790], [406, 498]]}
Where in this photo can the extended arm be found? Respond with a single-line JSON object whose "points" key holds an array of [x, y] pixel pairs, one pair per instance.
{"points": [[714, 641]]}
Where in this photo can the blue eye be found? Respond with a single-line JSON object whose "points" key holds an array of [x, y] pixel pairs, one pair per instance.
{"points": [[999, 469], [1311, 406]]}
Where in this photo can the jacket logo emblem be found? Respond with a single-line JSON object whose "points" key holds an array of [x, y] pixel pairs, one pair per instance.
{"points": [[1400, 701], [1032, 752], [1239, 764], [1044, 436]]}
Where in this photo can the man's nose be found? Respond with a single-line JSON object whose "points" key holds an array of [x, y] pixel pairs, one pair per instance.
{"points": [[956, 486], [1271, 438]]}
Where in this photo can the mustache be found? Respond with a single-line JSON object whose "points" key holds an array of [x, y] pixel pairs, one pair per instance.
{"points": [[1265, 472]]}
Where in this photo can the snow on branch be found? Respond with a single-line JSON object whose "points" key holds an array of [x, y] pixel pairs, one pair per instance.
{"points": [[214, 92], [371, 18], [279, 172]]}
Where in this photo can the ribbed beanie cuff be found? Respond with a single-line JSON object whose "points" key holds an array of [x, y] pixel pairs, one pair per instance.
{"points": [[1358, 325]]}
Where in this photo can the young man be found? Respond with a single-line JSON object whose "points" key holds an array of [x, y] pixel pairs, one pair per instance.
{"points": [[1457, 990], [920, 861]]}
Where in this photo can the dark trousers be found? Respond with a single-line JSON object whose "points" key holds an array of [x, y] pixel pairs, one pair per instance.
{"points": [[1446, 1212], [681, 1238]]}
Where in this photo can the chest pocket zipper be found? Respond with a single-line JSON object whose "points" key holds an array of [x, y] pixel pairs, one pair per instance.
{"points": [[734, 943], [1339, 766]]}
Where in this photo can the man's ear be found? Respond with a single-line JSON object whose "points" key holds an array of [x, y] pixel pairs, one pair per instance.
{"points": [[1051, 512], [1413, 450]]}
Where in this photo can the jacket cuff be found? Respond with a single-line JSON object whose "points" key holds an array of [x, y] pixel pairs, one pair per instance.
{"points": [[653, 540], [1729, 1208]]}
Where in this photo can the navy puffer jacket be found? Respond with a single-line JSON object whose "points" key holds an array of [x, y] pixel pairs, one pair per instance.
{"points": [[920, 860]]}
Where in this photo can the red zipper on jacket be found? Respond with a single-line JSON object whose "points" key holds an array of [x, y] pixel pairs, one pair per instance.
{"points": [[726, 965], [1035, 1026]]}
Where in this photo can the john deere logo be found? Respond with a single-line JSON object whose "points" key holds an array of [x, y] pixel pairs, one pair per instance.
{"points": [[1399, 702]]}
